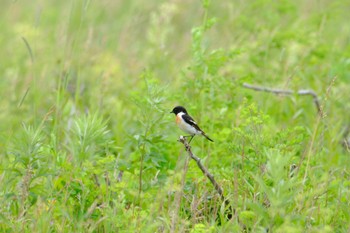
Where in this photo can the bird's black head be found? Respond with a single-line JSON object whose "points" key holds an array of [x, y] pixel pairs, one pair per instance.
{"points": [[178, 109]]}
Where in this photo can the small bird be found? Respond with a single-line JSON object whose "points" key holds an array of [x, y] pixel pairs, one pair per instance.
{"points": [[187, 124]]}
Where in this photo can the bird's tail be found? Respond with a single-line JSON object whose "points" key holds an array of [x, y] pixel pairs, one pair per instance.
{"points": [[207, 137]]}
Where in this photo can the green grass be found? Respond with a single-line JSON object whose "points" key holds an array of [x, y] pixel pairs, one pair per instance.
{"points": [[88, 144]]}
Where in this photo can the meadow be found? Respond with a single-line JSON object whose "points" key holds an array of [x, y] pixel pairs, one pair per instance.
{"points": [[88, 143]]}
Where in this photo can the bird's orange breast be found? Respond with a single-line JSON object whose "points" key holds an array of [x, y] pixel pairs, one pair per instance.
{"points": [[178, 119]]}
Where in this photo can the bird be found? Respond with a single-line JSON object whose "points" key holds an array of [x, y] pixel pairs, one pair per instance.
{"points": [[186, 123]]}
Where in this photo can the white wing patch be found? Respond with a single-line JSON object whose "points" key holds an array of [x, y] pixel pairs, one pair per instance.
{"points": [[186, 127]]}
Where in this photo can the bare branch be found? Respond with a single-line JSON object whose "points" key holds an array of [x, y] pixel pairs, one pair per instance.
{"points": [[203, 169], [230, 211], [287, 92]]}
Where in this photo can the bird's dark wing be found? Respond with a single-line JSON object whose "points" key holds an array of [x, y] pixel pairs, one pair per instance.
{"points": [[190, 121]]}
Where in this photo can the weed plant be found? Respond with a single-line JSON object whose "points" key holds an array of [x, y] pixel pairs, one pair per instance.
{"points": [[88, 143]]}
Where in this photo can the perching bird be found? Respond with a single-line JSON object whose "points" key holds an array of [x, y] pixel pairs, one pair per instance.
{"points": [[187, 124]]}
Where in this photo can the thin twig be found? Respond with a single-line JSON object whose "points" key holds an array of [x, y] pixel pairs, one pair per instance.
{"points": [[287, 92], [178, 197]]}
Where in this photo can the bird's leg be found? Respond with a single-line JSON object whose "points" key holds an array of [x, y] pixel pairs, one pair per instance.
{"points": [[187, 136], [190, 139]]}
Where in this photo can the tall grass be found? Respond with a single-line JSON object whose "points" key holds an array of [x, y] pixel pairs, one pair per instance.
{"points": [[88, 145]]}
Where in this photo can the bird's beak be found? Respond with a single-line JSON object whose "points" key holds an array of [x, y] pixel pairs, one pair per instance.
{"points": [[172, 112]]}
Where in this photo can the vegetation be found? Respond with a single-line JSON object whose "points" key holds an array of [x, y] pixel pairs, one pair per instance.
{"points": [[88, 144]]}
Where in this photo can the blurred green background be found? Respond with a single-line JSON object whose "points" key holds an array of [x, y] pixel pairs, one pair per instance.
{"points": [[88, 144]]}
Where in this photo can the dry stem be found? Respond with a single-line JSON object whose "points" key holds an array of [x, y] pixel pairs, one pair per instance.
{"points": [[203, 169], [288, 92]]}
